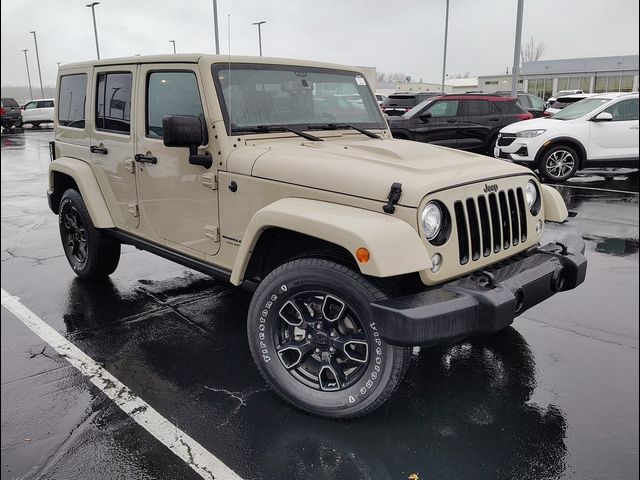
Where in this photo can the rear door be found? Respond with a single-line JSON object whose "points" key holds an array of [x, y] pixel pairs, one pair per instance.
{"points": [[45, 110], [178, 200], [618, 138], [112, 141], [442, 127], [480, 120]]}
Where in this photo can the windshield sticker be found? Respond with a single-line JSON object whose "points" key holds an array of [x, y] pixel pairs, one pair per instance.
{"points": [[360, 80]]}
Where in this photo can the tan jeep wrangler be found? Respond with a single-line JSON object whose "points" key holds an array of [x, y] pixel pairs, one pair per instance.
{"points": [[282, 176]]}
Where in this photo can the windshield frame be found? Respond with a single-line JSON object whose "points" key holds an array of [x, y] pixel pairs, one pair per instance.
{"points": [[218, 67], [418, 108], [601, 102]]}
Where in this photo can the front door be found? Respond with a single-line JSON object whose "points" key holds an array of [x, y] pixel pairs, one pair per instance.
{"points": [[442, 127], [112, 140], [617, 138], [480, 122], [178, 201]]}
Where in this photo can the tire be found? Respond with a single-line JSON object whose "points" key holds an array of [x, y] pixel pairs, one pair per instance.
{"points": [[307, 364], [90, 252], [559, 163]]}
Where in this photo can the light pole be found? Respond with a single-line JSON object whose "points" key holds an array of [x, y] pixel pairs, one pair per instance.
{"points": [[174, 45], [35, 39], [95, 28], [28, 75], [515, 71], [444, 54], [215, 25], [260, 33]]}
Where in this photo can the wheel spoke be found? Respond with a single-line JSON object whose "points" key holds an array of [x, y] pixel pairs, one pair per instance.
{"points": [[331, 375], [293, 352], [292, 314], [332, 308], [354, 347]]}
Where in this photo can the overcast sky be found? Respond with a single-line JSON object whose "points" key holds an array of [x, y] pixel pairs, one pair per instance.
{"points": [[393, 36]]}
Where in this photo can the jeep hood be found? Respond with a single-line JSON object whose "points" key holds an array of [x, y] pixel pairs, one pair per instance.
{"points": [[367, 168]]}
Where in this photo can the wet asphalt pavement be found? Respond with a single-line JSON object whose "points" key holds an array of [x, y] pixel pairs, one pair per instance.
{"points": [[554, 396]]}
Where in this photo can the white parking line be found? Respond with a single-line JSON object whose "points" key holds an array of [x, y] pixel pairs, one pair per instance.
{"points": [[608, 190], [195, 455]]}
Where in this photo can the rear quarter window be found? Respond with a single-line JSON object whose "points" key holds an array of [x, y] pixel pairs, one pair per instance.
{"points": [[72, 97]]}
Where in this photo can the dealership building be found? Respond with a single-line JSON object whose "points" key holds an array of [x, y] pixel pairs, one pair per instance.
{"points": [[592, 75]]}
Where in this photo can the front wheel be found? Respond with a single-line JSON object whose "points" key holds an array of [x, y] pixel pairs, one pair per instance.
{"points": [[89, 251], [314, 341], [558, 163]]}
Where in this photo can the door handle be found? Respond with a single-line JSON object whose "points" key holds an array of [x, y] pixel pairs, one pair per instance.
{"points": [[144, 159], [96, 149], [452, 121], [493, 119], [634, 127]]}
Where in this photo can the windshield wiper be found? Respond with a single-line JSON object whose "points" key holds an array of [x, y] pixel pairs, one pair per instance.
{"points": [[274, 128], [338, 126]]}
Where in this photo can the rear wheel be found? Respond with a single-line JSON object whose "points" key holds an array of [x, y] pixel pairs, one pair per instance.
{"points": [[313, 339], [90, 252], [558, 163]]}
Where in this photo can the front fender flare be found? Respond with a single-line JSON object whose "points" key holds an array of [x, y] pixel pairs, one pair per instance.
{"points": [[555, 209], [395, 247], [87, 183]]}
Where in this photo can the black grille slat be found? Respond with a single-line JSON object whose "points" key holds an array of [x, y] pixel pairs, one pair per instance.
{"points": [[495, 223], [474, 229], [463, 238], [523, 215], [513, 214], [504, 218], [485, 226]]}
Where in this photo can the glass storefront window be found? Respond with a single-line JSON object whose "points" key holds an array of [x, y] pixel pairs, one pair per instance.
{"points": [[601, 84], [626, 83]]}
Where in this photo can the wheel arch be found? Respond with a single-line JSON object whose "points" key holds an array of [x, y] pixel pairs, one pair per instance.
{"points": [[65, 173], [569, 141], [395, 247]]}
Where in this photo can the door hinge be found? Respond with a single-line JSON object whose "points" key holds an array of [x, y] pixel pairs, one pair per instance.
{"points": [[129, 165], [212, 232], [133, 209], [210, 180]]}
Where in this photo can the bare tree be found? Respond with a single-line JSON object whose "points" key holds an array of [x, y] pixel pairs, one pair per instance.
{"points": [[532, 51]]}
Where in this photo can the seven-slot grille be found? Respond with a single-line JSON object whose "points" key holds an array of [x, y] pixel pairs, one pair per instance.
{"points": [[490, 223]]}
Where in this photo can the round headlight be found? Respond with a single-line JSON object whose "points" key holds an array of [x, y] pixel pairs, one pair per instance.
{"points": [[431, 220], [531, 193]]}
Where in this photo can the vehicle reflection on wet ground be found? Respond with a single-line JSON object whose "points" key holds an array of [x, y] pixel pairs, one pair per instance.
{"points": [[554, 396]]}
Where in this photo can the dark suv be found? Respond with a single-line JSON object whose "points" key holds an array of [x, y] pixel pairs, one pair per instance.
{"points": [[400, 103], [467, 122], [10, 113], [531, 103]]}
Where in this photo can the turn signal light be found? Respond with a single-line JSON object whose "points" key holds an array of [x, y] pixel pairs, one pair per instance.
{"points": [[362, 254]]}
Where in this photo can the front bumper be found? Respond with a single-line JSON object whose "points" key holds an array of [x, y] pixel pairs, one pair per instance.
{"points": [[484, 302], [517, 149]]}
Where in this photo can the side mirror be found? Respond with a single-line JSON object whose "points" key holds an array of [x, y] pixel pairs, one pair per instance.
{"points": [[186, 131], [602, 117], [425, 117]]}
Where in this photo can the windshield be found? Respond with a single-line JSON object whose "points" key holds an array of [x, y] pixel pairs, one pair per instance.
{"points": [[415, 110], [253, 95], [580, 108]]}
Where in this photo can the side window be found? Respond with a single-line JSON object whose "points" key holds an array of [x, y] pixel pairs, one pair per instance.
{"points": [[536, 102], [31, 105], [45, 103], [73, 92], [624, 111], [479, 107], [445, 108], [113, 102], [171, 93], [524, 101]]}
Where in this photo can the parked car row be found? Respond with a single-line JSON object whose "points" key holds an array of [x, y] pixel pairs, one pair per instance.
{"points": [[467, 122], [32, 113]]}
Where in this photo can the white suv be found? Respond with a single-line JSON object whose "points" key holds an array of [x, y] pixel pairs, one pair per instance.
{"points": [[600, 131], [38, 111]]}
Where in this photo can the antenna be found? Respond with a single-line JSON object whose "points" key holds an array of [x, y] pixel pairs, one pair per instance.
{"points": [[229, 71]]}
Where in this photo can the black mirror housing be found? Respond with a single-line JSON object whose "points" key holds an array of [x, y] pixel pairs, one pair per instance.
{"points": [[182, 131], [186, 131], [425, 117]]}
